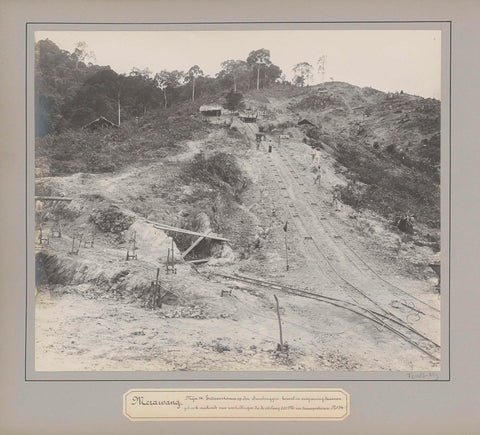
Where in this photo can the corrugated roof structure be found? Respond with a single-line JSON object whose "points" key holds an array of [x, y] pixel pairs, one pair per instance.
{"points": [[210, 108]]}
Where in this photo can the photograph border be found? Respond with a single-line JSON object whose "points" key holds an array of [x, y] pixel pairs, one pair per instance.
{"points": [[444, 375]]}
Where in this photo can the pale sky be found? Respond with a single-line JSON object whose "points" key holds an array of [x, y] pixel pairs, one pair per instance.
{"points": [[388, 60]]}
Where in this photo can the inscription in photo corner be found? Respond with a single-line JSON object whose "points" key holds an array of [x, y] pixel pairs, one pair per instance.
{"points": [[434, 376]]}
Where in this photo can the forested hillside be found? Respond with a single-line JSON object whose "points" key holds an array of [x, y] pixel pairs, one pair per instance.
{"points": [[389, 143], [70, 91]]}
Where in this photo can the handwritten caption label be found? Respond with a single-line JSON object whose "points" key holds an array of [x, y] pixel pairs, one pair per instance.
{"points": [[426, 376], [236, 404]]}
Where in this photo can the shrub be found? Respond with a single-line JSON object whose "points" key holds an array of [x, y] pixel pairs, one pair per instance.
{"points": [[431, 149], [390, 188], [391, 149], [111, 220], [313, 133], [234, 101], [351, 196], [216, 169]]}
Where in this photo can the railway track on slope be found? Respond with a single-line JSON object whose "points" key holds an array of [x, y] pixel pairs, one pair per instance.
{"points": [[378, 314], [405, 332], [353, 257], [327, 257], [330, 267]]}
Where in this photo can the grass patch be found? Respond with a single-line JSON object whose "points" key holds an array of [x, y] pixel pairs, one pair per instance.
{"points": [[108, 150]]}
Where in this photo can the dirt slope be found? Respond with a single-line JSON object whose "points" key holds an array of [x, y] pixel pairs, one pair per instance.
{"points": [[93, 310]]}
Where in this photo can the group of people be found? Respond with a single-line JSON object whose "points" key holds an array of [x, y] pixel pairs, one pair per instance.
{"points": [[317, 173], [260, 139]]}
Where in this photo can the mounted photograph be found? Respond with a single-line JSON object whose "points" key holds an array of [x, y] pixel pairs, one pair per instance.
{"points": [[238, 201]]}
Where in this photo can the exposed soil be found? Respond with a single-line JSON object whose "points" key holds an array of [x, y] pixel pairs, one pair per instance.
{"points": [[93, 309]]}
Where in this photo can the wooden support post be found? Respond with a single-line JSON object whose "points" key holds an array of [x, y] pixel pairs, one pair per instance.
{"points": [[279, 323], [75, 250], [133, 255], [170, 266], [165, 227], [159, 290], [286, 251], [56, 231], [192, 246], [43, 239], [156, 292], [168, 261], [89, 242]]}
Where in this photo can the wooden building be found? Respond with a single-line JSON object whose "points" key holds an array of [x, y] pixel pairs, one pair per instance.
{"points": [[207, 110], [248, 117], [99, 123]]}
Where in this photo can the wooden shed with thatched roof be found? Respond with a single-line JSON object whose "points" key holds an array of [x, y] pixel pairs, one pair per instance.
{"points": [[210, 110], [99, 123]]}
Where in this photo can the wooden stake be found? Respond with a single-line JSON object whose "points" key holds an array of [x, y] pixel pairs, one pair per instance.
{"points": [[158, 290], [286, 250], [279, 323]]}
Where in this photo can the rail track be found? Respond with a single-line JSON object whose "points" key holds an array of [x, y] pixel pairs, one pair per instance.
{"points": [[330, 258], [324, 247], [388, 322], [356, 259], [325, 255]]}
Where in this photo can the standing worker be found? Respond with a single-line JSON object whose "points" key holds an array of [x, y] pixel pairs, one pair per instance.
{"points": [[336, 199], [259, 140], [317, 178], [244, 182], [269, 145]]}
